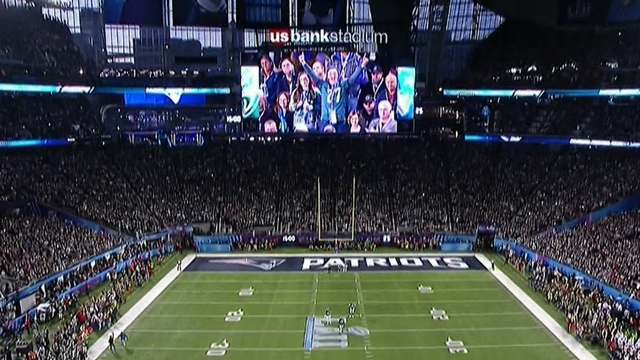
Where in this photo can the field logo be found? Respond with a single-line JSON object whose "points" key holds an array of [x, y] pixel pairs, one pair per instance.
{"points": [[246, 292], [218, 349], [443, 263], [439, 315], [264, 264], [329, 337], [456, 347], [234, 316]]}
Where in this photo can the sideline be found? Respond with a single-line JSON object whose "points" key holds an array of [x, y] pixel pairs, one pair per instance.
{"points": [[576, 348], [102, 344]]}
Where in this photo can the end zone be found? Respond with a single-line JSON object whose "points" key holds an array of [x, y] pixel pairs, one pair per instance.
{"points": [[576, 348], [321, 262]]}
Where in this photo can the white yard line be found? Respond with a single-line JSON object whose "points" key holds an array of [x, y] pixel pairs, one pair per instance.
{"points": [[312, 309], [427, 281], [435, 289], [363, 315], [249, 302], [284, 316], [389, 348], [298, 331], [314, 295]]}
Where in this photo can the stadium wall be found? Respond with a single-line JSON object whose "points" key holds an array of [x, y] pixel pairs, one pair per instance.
{"points": [[566, 270], [215, 243], [224, 243]]}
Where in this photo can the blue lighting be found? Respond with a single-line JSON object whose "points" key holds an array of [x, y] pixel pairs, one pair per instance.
{"points": [[73, 89], [551, 141], [34, 143], [514, 93]]}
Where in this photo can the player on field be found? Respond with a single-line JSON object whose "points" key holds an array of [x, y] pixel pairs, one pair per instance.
{"points": [[327, 316], [123, 338], [352, 309], [112, 343], [341, 323]]}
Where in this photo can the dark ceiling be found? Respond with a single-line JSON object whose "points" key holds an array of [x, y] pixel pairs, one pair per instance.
{"points": [[542, 12]]}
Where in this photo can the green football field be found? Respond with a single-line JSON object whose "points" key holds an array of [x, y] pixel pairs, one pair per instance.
{"points": [[189, 318]]}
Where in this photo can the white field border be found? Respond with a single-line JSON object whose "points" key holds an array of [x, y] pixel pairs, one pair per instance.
{"points": [[576, 348]]}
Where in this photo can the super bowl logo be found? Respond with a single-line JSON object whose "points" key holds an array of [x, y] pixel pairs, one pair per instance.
{"points": [[329, 337]]}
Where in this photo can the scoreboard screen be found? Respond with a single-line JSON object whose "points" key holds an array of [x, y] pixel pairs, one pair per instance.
{"points": [[281, 95]]}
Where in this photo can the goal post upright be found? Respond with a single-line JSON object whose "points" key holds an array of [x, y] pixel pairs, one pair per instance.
{"points": [[338, 237], [353, 210], [319, 214]]}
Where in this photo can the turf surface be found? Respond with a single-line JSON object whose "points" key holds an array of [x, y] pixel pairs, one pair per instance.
{"points": [[190, 315]]}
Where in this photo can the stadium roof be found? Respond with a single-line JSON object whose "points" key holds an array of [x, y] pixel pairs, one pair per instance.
{"points": [[542, 12]]}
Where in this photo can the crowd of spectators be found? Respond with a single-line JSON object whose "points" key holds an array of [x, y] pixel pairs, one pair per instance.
{"points": [[79, 320], [203, 77], [406, 185], [410, 185], [34, 247], [612, 119], [608, 250], [255, 245], [590, 314], [88, 184], [47, 117]]}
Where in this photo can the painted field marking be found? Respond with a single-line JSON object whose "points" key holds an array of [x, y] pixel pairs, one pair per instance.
{"points": [[135, 329], [389, 348], [284, 316]]}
